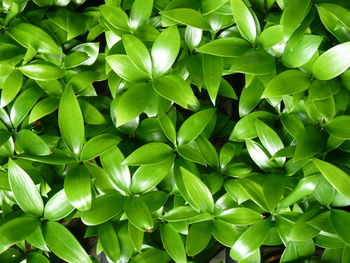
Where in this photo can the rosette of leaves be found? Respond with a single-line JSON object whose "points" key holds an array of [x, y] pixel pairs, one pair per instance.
{"points": [[120, 127]]}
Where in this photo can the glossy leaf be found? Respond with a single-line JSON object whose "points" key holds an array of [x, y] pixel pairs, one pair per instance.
{"points": [[98, 145], [24, 190], [212, 71], [186, 16], [225, 47], [139, 214], [32, 143], [150, 153], [57, 207], [173, 243]]}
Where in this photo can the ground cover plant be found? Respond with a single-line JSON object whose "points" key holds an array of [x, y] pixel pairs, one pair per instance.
{"points": [[165, 131]]}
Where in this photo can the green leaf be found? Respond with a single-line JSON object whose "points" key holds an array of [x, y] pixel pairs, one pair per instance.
{"points": [[302, 52], [63, 243], [58, 207], [240, 216], [23, 104], [191, 152], [287, 82], [43, 108], [254, 190], [225, 47], [245, 127], [71, 22], [70, 121], [254, 63], [290, 19], [212, 71], [115, 16], [173, 243], [250, 240], [136, 237], [32, 143], [165, 50], [151, 255], [30, 35], [340, 221], [198, 238], [167, 127], [149, 154], [103, 208], [123, 66], [112, 162], [335, 176], [296, 250], [11, 87], [16, 230], [187, 17], [37, 239], [333, 62], [24, 190], [259, 155], [140, 12], [109, 241], [323, 89], [339, 127], [140, 55], [35, 257], [246, 20], [147, 177], [56, 158], [98, 145], [250, 96], [138, 214], [269, 139], [198, 192], [304, 187], [176, 89], [194, 125], [40, 70], [273, 188], [133, 102], [180, 213], [224, 232], [77, 186]]}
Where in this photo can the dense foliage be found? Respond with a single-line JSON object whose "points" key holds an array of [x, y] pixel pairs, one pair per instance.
{"points": [[121, 119]]}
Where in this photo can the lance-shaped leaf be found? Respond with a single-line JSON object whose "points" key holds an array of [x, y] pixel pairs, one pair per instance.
{"points": [[305, 187], [341, 222], [70, 121], [165, 50], [225, 233], [194, 125], [123, 66], [140, 55], [58, 207], [63, 243], [133, 102], [186, 16], [138, 214], [149, 153], [288, 82], [32, 143], [250, 240], [339, 127], [24, 190], [246, 21], [77, 186], [151, 255], [11, 87], [335, 176], [30, 35], [333, 62], [173, 243], [22, 105], [16, 230], [140, 12], [43, 108], [259, 155], [147, 177], [225, 47], [35, 257], [270, 139], [197, 191], [43, 71], [136, 237], [115, 16], [198, 238], [112, 162], [98, 145], [212, 71], [254, 63], [109, 241], [168, 127], [240, 216], [103, 208], [175, 89]]}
